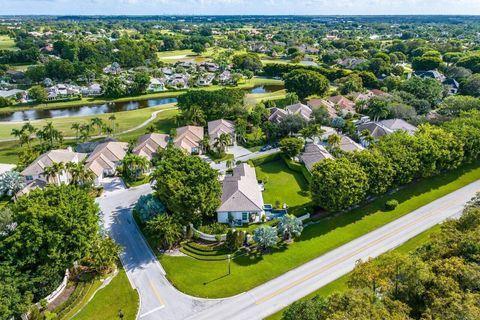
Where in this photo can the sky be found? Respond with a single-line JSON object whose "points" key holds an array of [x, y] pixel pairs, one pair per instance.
{"points": [[238, 7]]}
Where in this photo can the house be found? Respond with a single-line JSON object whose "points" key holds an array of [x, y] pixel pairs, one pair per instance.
{"points": [[36, 170], [206, 79], [156, 85], [451, 85], [218, 127], [113, 69], [345, 105], [314, 153], [305, 48], [30, 186], [92, 90], [189, 139], [13, 94], [209, 66], [61, 91], [225, 77], [351, 63], [434, 74], [299, 108], [242, 200], [359, 96], [277, 114], [319, 103], [179, 81], [348, 145], [398, 124], [384, 127], [105, 159], [148, 144]]}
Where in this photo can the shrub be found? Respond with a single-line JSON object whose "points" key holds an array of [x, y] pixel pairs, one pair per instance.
{"points": [[214, 228], [148, 206], [235, 239], [391, 204]]}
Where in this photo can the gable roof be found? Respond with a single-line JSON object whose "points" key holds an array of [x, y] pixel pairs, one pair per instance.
{"points": [[188, 137], [217, 127], [240, 192], [348, 145], [106, 155], [277, 115], [343, 103], [398, 124], [314, 153], [49, 158], [148, 144], [301, 109], [376, 130]]}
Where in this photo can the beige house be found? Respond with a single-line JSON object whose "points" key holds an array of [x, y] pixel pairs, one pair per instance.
{"points": [[36, 170], [148, 144], [105, 159], [189, 138], [218, 127], [348, 145], [242, 200], [277, 114]]}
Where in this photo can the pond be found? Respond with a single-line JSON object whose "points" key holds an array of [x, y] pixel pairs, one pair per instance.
{"points": [[94, 109]]}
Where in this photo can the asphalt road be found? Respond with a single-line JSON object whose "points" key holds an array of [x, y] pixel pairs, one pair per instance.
{"points": [[160, 300]]}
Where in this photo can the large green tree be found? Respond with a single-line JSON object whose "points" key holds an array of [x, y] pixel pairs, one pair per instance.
{"points": [[187, 185], [338, 184], [306, 83]]}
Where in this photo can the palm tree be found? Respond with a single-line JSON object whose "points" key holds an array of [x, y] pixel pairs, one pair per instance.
{"points": [[108, 130], [85, 130], [97, 122], [17, 133], [134, 166], [79, 174], [222, 142], [378, 109], [334, 140], [112, 118], [76, 126], [367, 137], [196, 116], [50, 135], [205, 143], [52, 172], [164, 230]]}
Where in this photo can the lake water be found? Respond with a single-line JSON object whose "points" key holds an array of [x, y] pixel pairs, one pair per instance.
{"points": [[94, 109]]}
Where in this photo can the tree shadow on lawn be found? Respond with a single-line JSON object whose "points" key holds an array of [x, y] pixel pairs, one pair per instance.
{"points": [[408, 192], [255, 256]]}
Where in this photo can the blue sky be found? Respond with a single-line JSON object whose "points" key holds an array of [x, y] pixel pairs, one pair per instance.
{"points": [[215, 7]]}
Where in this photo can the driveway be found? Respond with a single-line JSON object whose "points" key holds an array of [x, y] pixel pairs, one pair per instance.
{"points": [[238, 151], [112, 185]]}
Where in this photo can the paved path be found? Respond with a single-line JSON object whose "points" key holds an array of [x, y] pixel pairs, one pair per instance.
{"points": [[160, 300], [153, 116]]}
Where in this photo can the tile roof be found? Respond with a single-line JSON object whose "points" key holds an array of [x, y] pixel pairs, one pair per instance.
{"points": [[49, 158], [314, 153], [188, 137], [106, 155], [148, 144], [241, 192]]}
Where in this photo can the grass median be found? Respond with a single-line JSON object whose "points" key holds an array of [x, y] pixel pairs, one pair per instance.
{"points": [[210, 278]]}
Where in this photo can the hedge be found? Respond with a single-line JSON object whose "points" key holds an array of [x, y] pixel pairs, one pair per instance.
{"points": [[298, 167], [264, 159]]}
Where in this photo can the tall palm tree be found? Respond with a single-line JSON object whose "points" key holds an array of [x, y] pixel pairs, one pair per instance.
{"points": [[196, 116], [85, 131], [76, 126], [334, 140], [205, 143], [112, 119], [79, 174], [52, 172], [222, 142], [97, 122], [50, 135], [134, 166], [17, 133]]}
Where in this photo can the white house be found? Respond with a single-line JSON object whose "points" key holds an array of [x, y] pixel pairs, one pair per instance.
{"points": [[105, 159], [242, 200]]}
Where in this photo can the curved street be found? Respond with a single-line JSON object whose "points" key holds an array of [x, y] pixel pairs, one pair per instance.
{"points": [[160, 300]]}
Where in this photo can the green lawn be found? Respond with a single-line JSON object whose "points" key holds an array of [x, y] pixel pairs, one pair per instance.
{"points": [[7, 43], [106, 304], [125, 120], [341, 283], [209, 279], [283, 185]]}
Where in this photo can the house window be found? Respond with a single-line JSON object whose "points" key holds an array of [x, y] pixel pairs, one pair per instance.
{"points": [[244, 216]]}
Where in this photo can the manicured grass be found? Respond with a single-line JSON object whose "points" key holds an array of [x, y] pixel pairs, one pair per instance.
{"points": [[125, 120], [107, 303], [7, 43], [82, 299], [283, 185], [341, 283], [209, 279]]}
